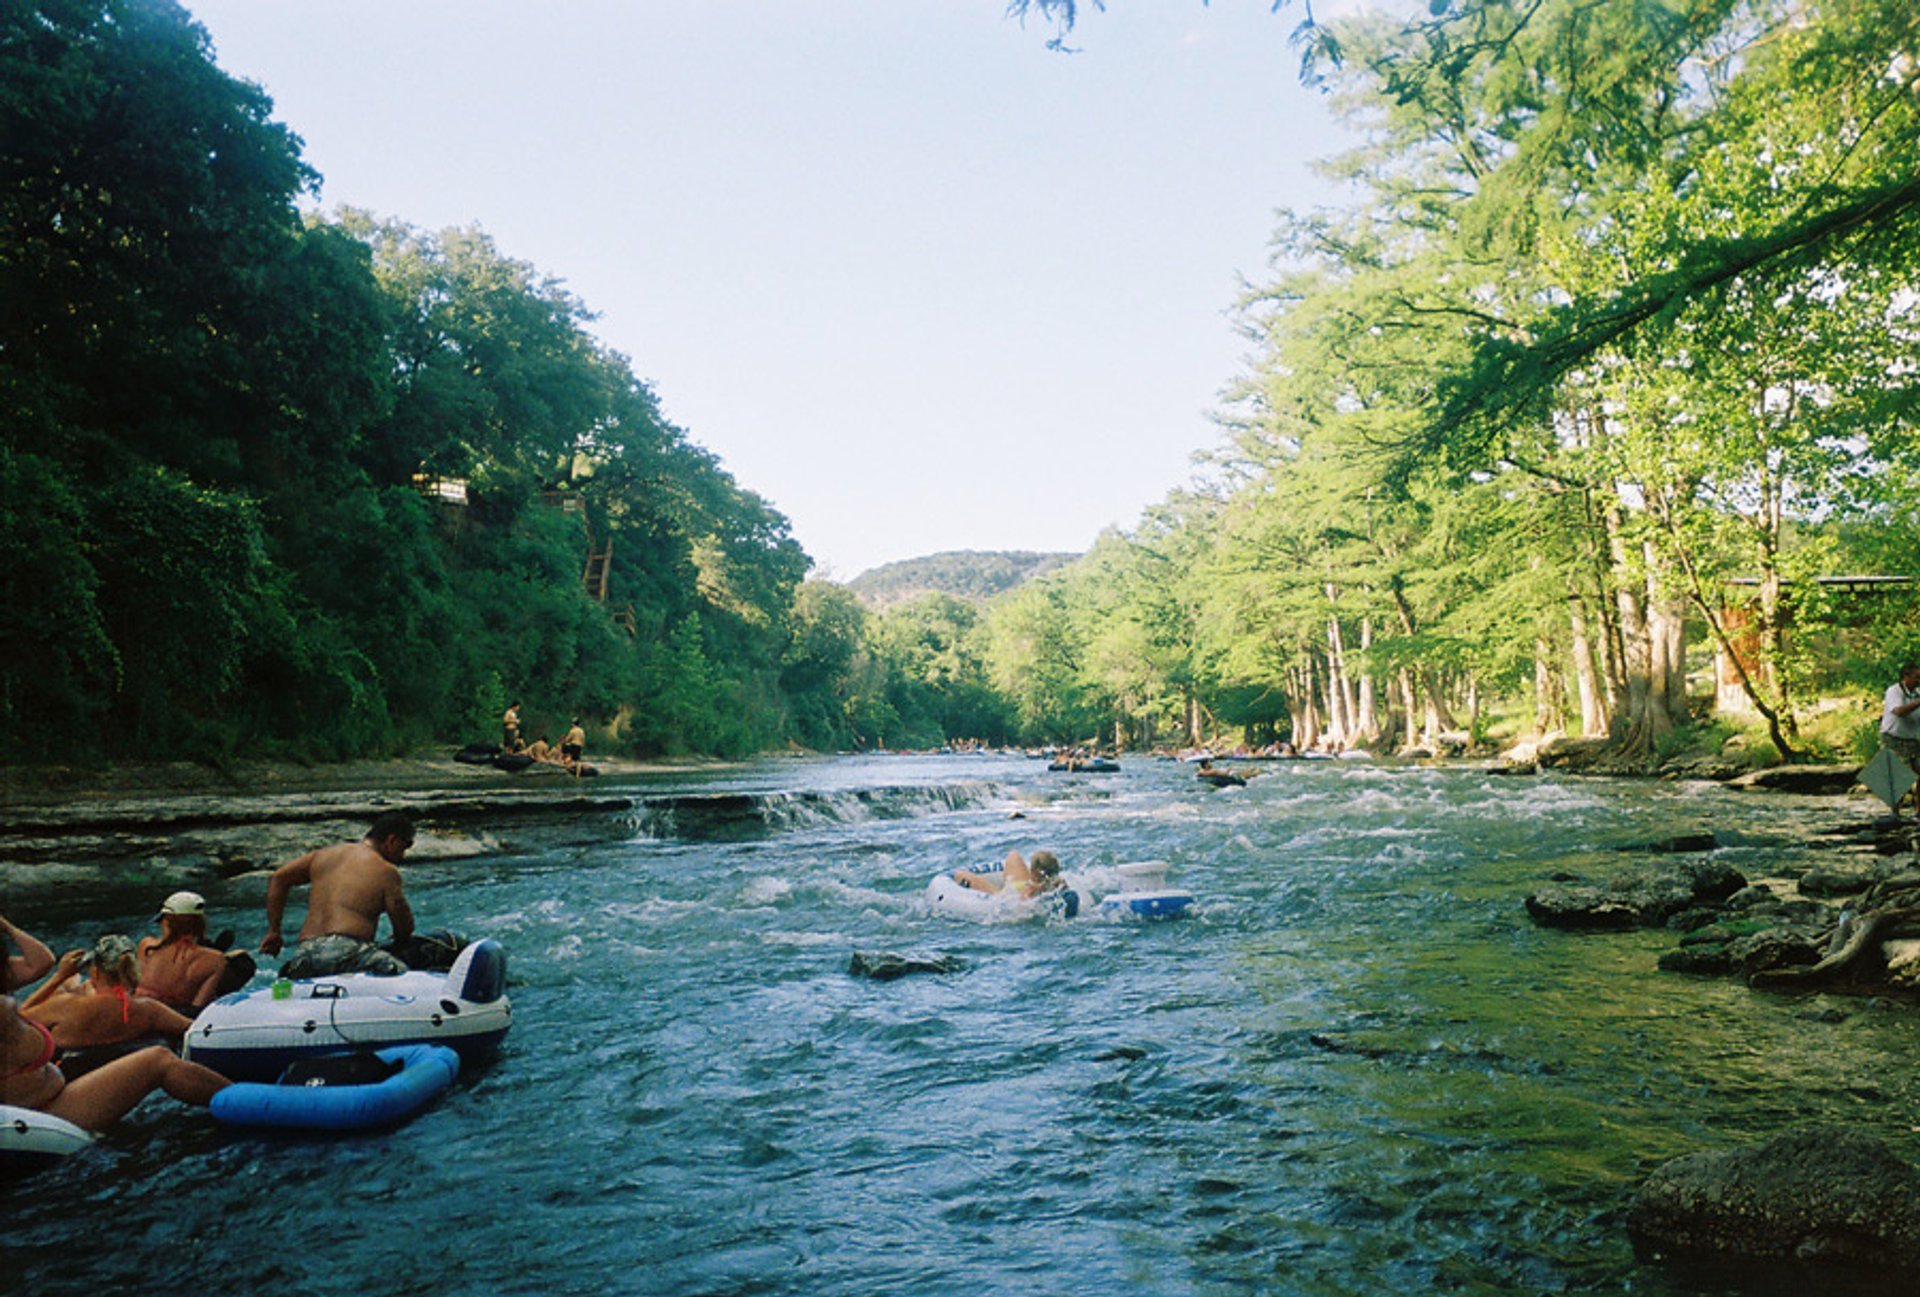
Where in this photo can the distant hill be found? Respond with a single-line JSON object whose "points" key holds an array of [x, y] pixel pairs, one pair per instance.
{"points": [[963, 573]]}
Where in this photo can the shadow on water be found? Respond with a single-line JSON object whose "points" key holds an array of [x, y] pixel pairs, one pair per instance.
{"points": [[1355, 1068]]}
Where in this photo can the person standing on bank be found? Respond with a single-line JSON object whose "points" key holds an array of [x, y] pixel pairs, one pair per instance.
{"points": [[573, 743], [353, 884], [1900, 717]]}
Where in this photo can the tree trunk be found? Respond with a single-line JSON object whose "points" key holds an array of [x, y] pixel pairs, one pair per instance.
{"points": [[1647, 719], [1409, 708], [1549, 694], [1365, 720], [1303, 706], [1588, 677], [1339, 692]]}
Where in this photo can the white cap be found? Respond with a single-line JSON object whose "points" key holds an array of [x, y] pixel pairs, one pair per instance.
{"points": [[184, 903]]}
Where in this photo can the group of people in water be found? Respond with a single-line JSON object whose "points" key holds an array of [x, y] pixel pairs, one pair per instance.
{"points": [[568, 753], [63, 1047]]}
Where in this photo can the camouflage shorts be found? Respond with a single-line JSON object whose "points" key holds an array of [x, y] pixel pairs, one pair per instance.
{"points": [[325, 956], [1908, 750]]}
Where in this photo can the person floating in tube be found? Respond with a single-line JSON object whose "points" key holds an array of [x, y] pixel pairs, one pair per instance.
{"points": [[1021, 877]]}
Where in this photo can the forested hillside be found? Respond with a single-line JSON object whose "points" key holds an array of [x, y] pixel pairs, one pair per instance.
{"points": [[965, 574], [329, 486]]}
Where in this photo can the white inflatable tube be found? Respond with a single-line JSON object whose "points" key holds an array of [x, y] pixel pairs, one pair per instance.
{"points": [[947, 895], [251, 1036], [1138, 890], [31, 1140]]}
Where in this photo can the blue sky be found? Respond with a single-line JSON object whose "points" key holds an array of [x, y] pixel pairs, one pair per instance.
{"points": [[916, 279]]}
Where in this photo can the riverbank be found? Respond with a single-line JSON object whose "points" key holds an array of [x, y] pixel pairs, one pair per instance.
{"points": [[38, 786]]}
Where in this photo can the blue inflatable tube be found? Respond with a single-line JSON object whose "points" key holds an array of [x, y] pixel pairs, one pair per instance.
{"points": [[424, 1071]]}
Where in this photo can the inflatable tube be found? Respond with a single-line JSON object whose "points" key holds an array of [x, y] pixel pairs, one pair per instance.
{"points": [[477, 754], [31, 1140], [1144, 893], [416, 1074], [1221, 778], [512, 762], [253, 1037], [947, 895], [1168, 903]]}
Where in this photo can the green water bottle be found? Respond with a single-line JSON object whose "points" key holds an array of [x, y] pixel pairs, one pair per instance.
{"points": [[282, 989]]}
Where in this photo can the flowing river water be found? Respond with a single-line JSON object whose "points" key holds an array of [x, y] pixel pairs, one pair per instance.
{"points": [[1355, 1067]]}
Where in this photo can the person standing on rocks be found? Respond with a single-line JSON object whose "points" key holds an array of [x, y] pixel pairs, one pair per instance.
{"points": [[1900, 717]]}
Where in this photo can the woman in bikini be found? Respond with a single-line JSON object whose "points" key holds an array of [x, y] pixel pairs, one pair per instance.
{"points": [[102, 1010], [1019, 877], [29, 1078]]}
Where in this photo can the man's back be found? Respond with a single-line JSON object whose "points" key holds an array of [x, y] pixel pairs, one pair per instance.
{"points": [[176, 971], [351, 887]]}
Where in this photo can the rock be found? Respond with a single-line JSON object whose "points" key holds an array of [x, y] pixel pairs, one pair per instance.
{"points": [[1800, 779], [1642, 897], [1695, 918], [886, 966], [1724, 932], [1682, 843], [1713, 959], [1819, 1193], [1581, 909], [1516, 768], [1774, 948], [1835, 880], [1903, 962]]}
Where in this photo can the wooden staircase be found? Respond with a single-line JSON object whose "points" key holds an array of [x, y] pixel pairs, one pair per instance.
{"points": [[599, 567]]}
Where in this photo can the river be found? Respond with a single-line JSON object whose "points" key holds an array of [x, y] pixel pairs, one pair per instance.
{"points": [[1355, 1066]]}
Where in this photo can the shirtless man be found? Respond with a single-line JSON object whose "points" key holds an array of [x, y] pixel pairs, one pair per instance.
{"points": [[353, 885], [175, 968]]}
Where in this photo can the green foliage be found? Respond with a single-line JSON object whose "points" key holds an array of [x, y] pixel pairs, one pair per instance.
{"points": [[57, 662], [213, 419]]}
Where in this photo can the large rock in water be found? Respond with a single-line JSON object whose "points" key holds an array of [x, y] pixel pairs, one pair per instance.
{"points": [[1640, 897], [1816, 780], [1815, 1193]]}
